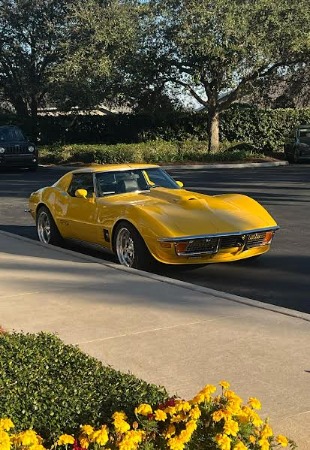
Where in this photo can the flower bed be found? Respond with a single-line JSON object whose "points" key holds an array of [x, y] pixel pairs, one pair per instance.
{"points": [[206, 422]]}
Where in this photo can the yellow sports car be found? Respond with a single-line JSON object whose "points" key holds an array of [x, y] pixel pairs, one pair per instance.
{"points": [[140, 213]]}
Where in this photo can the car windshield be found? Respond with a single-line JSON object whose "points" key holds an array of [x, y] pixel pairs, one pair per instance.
{"points": [[304, 135], [122, 181], [11, 134]]}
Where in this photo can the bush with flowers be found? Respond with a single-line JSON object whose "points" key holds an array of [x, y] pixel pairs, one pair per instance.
{"points": [[206, 422]]}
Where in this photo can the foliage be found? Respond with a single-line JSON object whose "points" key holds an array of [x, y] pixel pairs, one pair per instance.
{"points": [[101, 35], [53, 387], [156, 152], [206, 422], [217, 50], [32, 35], [61, 52], [264, 130]]}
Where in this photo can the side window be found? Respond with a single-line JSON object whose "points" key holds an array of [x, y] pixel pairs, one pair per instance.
{"points": [[81, 181], [106, 184]]}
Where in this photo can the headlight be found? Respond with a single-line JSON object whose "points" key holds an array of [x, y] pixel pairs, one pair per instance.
{"points": [[2, 150], [31, 148]]}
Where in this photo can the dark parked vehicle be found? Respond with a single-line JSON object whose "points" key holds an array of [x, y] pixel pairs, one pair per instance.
{"points": [[297, 148], [16, 150]]}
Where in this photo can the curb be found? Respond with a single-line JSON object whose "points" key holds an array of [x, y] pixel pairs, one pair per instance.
{"points": [[226, 166], [190, 166], [192, 287]]}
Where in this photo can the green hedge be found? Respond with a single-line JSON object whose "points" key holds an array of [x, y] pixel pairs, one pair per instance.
{"points": [[264, 129], [54, 387], [148, 152]]}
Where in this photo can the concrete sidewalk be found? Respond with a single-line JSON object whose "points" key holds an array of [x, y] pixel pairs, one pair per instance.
{"points": [[164, 331]]}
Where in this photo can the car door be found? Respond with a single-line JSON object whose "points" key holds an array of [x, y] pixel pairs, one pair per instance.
{"points": [[82, 212]]}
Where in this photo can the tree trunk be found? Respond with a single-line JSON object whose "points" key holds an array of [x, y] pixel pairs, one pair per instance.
{"points": [[213, 131], [34, 117], [20, 106]]}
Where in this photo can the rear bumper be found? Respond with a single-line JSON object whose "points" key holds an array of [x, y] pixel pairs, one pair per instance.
{"points": [[20, 160]]}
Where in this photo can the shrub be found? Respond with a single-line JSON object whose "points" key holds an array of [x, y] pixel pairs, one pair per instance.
{"points": [[265, 129], [52, 387], [206, 422], [155, 152]]}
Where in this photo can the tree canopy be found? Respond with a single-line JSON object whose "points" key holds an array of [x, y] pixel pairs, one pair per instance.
{"points": [[61, 50], [32, 35], [217, 50], [79, 53]]}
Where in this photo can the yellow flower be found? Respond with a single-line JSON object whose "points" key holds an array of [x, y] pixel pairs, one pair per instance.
{"points": [[65, 439], [160, 415], [208, 390], [240, 446], [170, 410], [221, 414], [87, 429], [191, 426], [121, 426], [199, 398], [28, 437], [131, 440], [252, 439], [231, 395], [254, 403], [248, 415], [223, 441], [224, 384], [195, 413], [264, 444], [6, 424], [37, 447], [266, 431], [101, 436], [182, 406], [282, 440], [176, 443], [231, 427], [4, 440], [218, 415], [119, 416], [84, 442], [144, 409]]}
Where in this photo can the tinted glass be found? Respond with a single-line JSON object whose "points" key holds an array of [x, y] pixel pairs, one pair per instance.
{"points": [[11, 135], [117, 182], [81, 181]]}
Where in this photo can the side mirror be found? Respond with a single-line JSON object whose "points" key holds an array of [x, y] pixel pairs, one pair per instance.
{"points": [[81, 193], [179, 183]]}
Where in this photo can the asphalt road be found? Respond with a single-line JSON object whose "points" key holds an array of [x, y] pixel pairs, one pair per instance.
{"points": [[281, 277]]}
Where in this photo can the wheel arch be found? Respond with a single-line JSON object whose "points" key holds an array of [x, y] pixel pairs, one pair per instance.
{"points": [[114, 231], [40, 205]]}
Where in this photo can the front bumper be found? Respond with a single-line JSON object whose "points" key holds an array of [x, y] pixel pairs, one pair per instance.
{"points": [[213, 248]]}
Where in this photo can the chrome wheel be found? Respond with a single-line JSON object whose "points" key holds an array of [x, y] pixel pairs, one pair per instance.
{"points": [[44, 227], [125, 247]]}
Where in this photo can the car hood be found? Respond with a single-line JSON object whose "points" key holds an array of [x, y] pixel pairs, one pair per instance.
{"points": [[184, 213]]}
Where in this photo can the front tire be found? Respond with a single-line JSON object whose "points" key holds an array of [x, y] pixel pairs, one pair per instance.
{"points": [[130, 248], [46, 227]]}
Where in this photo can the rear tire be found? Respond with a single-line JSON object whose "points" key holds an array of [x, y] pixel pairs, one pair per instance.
{"points": [[47, 230], [130, 248]]}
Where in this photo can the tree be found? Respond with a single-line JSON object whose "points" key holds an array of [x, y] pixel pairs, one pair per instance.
{"points": [[102, 40], [217, 50], [32, 35], [61, 51]]}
